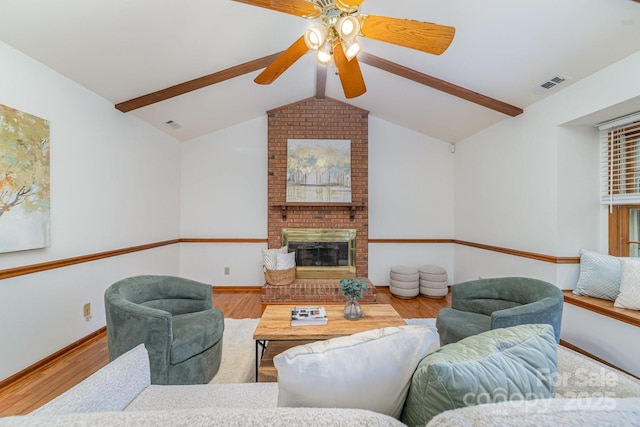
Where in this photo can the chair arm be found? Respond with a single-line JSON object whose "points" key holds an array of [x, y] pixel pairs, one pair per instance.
{"points": [[547, 310], [128, 324], [201, 291]]}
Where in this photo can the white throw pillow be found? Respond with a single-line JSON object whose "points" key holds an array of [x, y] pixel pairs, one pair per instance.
{"points": [[369, 370], [285, 261], [270, 256], [629, 296], [599, 275]]}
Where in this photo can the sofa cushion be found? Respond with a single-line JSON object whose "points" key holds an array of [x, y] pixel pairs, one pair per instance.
{"points": [[193, 333], [109, 389], [369, 370], [600, 275], [584, 411], [516, 363], [168, 397], [218, 417]]}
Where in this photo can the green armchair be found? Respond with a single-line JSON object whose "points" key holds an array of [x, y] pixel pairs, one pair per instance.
{"points": [[175, 320], [481, 305]]}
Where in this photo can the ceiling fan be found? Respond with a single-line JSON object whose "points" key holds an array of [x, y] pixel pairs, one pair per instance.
{"points": [[335, 37]]}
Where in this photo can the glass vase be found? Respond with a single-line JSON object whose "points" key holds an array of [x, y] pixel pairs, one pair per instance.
{"points": [[352, 309]]}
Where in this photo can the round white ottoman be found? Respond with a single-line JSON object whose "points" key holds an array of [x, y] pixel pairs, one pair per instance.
{"points": [[433, 281], [404, 281]]}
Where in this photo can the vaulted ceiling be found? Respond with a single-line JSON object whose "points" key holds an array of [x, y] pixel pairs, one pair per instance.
{"points": [[502, 51]]}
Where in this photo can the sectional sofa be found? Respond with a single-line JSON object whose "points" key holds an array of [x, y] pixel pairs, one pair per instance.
{"points": [[461, 384]]}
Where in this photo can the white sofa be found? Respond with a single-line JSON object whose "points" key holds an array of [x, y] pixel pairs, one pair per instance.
{"points": [[121, 394]]}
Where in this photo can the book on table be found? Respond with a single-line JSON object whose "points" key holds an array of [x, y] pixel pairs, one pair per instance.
{"points": [[308, 316]]}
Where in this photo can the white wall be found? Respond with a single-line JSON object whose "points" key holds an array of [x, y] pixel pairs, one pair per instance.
{"points": [[114, 184], [224, 195], [531, 184], [410, 197], [224, 183]]}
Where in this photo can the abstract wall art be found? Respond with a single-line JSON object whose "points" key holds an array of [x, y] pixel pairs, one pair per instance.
{"points": [[24, 181], [319, 170]]}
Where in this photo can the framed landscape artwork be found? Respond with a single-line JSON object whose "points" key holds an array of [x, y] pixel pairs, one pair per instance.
{"points": [[24, 181], [319, 170]]}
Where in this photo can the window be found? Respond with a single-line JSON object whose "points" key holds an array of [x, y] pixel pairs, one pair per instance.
{"points": [[620, 163], [624, 230], [620, 170]]}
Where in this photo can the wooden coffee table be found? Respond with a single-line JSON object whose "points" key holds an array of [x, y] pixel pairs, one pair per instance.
{"points": [[275, 328]]}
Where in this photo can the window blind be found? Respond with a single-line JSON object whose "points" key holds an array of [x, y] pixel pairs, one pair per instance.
{"points": [[620, 161]]}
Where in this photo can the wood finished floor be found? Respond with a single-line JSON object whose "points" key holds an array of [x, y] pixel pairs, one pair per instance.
{"points": [[40, 386]]}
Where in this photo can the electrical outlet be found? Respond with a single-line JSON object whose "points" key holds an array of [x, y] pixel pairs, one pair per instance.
{"points": [[227, 271], [86, 310]]}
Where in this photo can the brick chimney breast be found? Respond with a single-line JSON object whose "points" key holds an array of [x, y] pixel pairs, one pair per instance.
{"points": [[324, 118]]}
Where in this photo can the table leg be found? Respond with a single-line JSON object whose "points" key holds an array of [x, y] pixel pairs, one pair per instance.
{"points": [[260, 344]]}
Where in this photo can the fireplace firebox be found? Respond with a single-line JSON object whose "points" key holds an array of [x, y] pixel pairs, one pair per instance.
{"points": [[322, 252]]}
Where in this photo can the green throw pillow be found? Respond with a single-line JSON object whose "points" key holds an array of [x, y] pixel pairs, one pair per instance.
{"points": [[516, 363]]}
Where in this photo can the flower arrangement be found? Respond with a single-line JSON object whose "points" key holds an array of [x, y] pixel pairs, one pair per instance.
{"points": [[353, 288]]}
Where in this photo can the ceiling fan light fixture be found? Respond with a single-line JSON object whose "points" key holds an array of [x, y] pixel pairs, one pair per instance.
{"points": [[315, 36], [348, 27], [351, 48], [325, 55]]}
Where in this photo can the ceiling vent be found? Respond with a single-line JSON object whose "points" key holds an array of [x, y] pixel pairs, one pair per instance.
{"points": [[172, 124], [550, 84]]}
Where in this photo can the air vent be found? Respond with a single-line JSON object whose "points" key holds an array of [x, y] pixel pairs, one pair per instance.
{"points": [[549, 84], [172, 124]]}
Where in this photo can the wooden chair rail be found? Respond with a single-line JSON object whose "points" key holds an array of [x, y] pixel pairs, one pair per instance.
{"points": [[604, 307]]}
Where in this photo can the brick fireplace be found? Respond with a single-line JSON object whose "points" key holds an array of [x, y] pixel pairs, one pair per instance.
{"points": [[319, 119]]}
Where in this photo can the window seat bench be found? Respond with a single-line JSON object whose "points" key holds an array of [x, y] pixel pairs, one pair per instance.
{"points": [[602, 306]]}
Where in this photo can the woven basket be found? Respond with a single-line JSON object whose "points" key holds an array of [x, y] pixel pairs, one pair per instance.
{"points": [[279, 277]]}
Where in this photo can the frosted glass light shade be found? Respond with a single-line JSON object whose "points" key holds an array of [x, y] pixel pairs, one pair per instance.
{"points": [[315, 36], [325, 54], [351, 48], [348, 27]]}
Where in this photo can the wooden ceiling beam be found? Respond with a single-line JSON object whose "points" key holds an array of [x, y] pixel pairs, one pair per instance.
{"points": [[321, 81], [438, 84], [195, 84]]}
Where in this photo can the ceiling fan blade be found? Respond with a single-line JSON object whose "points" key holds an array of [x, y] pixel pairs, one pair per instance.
{"points": [[349, 72], [283, 62], [300, 8], [423, 36]]}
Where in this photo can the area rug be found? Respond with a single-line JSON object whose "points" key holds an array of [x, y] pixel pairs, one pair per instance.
{"points": [[578, 375], [238, 352]]}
